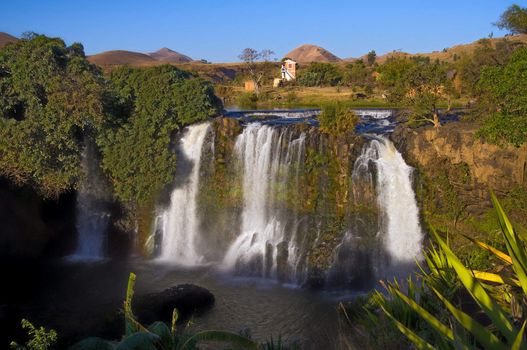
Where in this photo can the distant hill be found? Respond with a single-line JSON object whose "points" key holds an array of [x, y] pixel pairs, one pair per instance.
{"points": [[119, 57], [167, 55], [6, 39], [447, 54], [312, 53]]}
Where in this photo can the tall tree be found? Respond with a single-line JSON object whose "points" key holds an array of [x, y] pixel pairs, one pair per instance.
{"points": [[418, 86], [371, 57], [250, 57], [514, 19], [50, 95], [503, 101]]}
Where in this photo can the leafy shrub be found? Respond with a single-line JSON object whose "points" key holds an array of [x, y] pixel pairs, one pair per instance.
{"points": [[320, 74], [248, 100], [50, 95], [336, 119], [154, 103], [504, 91], [500, 296], [39, 338]]}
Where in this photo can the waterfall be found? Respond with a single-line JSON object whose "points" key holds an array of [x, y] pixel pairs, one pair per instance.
{"points": [[281, 222], [266, 245], [92, 213], [180, 223], [399, 214]]}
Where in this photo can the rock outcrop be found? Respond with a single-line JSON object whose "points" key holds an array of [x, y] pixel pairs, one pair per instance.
{"points": [[471, 166]]}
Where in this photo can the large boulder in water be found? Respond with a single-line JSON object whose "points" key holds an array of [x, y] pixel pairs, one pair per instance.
{"points": [[186, 298]]}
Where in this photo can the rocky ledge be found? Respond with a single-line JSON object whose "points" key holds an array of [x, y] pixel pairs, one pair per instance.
{"points": [[186, 298]]}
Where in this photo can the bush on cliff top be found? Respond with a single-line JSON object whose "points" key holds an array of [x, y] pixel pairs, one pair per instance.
{"points": [[49, 96], [504, 95], [337, 119], [157, 102]]}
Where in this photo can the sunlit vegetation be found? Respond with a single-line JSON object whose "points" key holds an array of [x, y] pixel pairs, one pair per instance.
{"points": [[451, 305], [53, 100]]}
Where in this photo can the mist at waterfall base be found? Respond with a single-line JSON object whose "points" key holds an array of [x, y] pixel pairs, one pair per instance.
{"points": [[269, 238], [256, 269]]}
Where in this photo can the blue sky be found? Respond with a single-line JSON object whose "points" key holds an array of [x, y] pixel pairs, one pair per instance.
{"points": [[219, 30]]}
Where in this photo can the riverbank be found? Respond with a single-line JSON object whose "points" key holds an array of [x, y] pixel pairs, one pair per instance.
{"points": [[310, 97]]}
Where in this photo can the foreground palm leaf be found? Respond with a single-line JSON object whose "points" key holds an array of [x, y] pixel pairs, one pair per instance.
{"points": [[491, 298]]}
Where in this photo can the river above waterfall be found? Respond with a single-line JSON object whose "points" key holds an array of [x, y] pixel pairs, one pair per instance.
{"points": [[372, 120]]}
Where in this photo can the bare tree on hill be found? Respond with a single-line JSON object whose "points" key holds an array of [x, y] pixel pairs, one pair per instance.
{"points": [[250, 57]]}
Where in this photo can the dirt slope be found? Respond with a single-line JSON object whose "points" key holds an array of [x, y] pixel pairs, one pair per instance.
{"points": [[167, 55], [312, 53], [6, 39], [119, 57]]}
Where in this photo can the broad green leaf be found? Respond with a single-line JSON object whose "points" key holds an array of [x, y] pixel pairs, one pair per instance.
{"points": [[482, 334], [519, 339], [161, 329], [496, 278], [419, 342], [478, 292], [140, 341], [434, 322], [514, 245], [92, 343], [504, 257]]}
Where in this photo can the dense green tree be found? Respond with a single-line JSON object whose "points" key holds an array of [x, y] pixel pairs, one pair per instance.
{"points": [[418, 86], [485, 54], [155, 103], [371, 57], [503, 101], [357, 74], [337, 119], [514, 19], [320, 74], [49, 97]]}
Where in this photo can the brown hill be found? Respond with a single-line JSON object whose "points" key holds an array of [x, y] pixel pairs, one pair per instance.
{"points": [[312, 53], [447, 54], [117, 57], [6, 39], [167, 55]]}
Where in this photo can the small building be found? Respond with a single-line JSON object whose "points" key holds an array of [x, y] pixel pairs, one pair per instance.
{"points": [[288, 69]]}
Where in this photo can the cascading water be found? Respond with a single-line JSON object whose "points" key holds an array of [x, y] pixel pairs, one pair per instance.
{"points": [[399, 224], [180, 222], [396, 197], [92, 213], [283, 203], [266, 239], [386, 243]]}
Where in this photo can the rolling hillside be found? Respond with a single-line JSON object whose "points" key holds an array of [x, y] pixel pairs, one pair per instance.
{"points": [[312, 53], [121, 57], [6, 38], [167, 55]]}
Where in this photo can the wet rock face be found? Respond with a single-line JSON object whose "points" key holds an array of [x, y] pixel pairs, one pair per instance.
{"points": [[33, 227], [471, 165], [186, 298]]}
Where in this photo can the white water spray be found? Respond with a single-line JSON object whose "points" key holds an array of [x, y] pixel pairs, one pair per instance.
{"points": [[266, 169], [92, 215], [402, 234], [180, 224]]}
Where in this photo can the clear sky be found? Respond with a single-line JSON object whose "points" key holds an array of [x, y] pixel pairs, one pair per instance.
{"points": [[219, 30]]}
